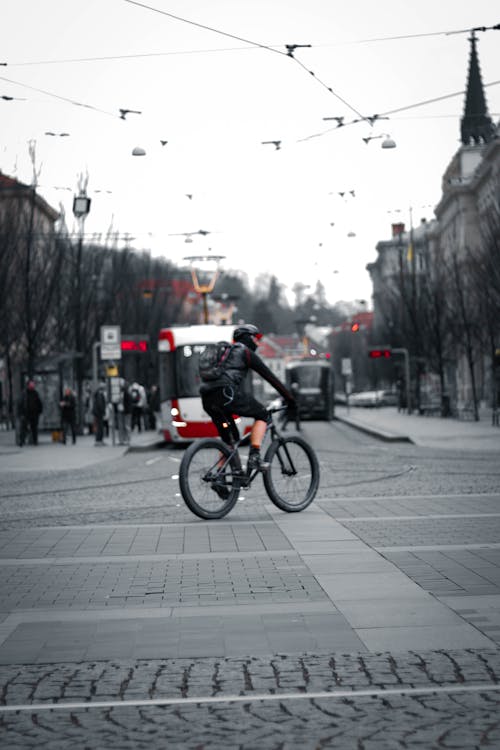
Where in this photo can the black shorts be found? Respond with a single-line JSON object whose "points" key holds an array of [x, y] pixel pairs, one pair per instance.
{"points": [[220, 407]]}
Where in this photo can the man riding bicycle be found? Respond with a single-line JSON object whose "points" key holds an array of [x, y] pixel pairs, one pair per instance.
{"points": [[225, 396]]}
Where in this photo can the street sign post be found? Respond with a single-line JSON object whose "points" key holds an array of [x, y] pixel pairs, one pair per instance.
{"points": [[346, 365], [111, 342]]}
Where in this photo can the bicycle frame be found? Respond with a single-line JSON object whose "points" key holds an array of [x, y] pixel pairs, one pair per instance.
{"points": [[211, 473], [247, 479]]}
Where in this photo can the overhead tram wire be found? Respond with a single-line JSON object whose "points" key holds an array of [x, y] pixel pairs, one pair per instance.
{"points": [[57, 96], [394, 111], [247, 41], [289, 53], [251, 46], [204, 26]]}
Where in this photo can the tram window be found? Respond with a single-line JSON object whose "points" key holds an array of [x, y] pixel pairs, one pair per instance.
{"points": [[307, 377], [188, 378], [167, 375]]}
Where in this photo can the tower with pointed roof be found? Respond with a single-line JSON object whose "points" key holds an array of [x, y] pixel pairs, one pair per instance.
{"points": [[476, 126]]}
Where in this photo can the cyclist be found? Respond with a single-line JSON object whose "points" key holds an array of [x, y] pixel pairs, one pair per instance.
{"points": [[225, 396]]}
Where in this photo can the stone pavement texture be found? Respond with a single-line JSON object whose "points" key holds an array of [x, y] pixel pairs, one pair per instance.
{"points": [[343, 597]]}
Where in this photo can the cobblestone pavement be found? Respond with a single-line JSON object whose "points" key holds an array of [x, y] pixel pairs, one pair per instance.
{"points": [[426, 700]]}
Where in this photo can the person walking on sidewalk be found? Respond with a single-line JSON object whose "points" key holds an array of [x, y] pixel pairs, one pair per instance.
{"points": [[29, 409], [123, 414], [99, 412], [154, 408], [68, 415], [295, 388], [138, 404]]}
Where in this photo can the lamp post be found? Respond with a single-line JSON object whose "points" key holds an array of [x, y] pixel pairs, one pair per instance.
{"points": [[204, 273], [81, 208]]}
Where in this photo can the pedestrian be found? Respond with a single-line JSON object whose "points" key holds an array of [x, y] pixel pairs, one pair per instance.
{"points": [[108, 418], [123, 414], [138, 403], [68, 415], [88, 409], [154, 407], [295, 389], [29, 409], [99, 412]]}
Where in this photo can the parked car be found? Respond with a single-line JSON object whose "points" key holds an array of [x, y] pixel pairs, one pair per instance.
{"points": [[389, 398], [373, 398], [366, 398]]}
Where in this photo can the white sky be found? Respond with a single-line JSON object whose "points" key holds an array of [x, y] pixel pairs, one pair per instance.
{"points": [[269, 210]]}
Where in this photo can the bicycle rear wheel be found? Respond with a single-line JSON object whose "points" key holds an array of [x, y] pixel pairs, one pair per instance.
{"points": [[208, 490], [292, 479]]}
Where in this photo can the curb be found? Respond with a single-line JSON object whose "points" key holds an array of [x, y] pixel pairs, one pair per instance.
{"points": [[388, 437], [148, 447]]}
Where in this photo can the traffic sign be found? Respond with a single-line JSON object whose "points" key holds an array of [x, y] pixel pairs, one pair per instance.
{"points": [[111, 342], [346, 366]]}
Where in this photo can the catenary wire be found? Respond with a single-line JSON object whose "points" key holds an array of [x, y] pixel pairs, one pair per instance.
{"points": [[139, 55], [395, 111], [246, 41], [57, 96]]}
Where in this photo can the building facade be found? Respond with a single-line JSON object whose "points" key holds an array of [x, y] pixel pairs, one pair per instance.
{"points": [[425, 278]]}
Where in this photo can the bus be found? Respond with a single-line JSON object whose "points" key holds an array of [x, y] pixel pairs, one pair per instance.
{"points": [[183, 418], [314, 378]]}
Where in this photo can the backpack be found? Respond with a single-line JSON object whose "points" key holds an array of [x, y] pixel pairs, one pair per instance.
{"points": [[135, 395], [213, 360]]}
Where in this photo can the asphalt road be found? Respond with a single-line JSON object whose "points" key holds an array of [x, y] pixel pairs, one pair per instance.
{"points": [[433, 514]]}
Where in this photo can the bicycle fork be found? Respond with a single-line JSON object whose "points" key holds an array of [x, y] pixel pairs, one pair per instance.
{"points": [[287, 467]]}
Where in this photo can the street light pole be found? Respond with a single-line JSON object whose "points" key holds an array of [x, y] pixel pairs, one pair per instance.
{"points": [[204, 273], [81, 208]]}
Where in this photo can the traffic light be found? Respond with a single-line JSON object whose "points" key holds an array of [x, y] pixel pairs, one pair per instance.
{"points": [[496, 358], [355, 327], [383, 353]]}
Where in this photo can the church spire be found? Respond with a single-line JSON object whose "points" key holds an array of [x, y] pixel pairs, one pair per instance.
{"points": [[476, 125]]}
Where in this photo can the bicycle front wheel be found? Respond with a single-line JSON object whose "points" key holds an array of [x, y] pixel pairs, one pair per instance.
{"points": [[292, 479], [207, 479]]}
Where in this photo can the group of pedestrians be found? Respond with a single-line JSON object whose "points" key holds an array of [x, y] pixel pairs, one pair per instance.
{"points": [[134, 408]]}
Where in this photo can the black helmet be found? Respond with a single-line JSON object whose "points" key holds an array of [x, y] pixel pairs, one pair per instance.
{"points": [[247, 334]]}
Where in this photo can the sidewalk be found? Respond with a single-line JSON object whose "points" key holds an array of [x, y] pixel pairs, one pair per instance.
{"points": [[386, 423], [50, 456]]}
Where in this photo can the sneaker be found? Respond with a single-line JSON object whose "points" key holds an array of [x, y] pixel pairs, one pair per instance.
{"points": [[255, 462], [223, 492]]}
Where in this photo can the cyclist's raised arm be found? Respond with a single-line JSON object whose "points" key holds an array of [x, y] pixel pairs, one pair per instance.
{"points": [[255, 363]]}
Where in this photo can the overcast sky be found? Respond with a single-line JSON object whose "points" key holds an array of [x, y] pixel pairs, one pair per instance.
{"points": [[214, 97]]}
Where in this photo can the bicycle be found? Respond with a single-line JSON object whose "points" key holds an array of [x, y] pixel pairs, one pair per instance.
{"points": [[211, 474]]}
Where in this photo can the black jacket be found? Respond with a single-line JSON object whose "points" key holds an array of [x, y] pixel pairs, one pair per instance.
{"points": [[240, 360], [29, 404]]}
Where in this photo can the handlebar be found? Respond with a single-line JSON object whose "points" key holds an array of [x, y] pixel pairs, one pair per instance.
{"points": [[274, 409]]}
